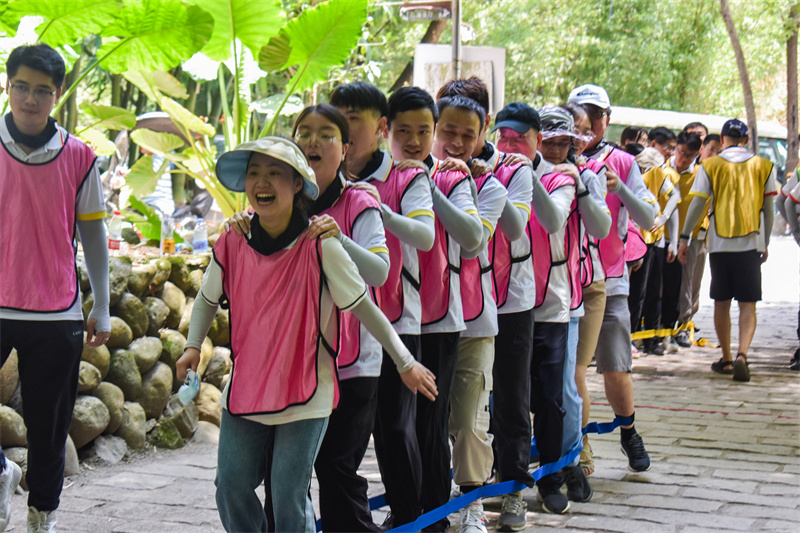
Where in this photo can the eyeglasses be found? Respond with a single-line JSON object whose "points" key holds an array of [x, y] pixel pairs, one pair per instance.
{"points": [[322, 138], [683, 153], [22, 92], [667, 147]]}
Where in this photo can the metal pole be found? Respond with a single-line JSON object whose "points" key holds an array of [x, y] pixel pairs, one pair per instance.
{"points": [[456, 18]]}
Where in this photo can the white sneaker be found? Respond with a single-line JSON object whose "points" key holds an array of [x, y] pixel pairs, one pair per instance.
{"points": [[9, 479], [41, 521], [473, 520]]}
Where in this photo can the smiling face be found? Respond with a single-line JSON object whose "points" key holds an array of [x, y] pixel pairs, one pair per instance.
{"points": [[411, 134], [31, 112], [512, 142], [457, 133], [270, 185], [321, 141]]}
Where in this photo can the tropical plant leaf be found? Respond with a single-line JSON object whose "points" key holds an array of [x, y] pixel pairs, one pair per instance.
{"points": [[68, 22], [267, 106], [253, 23], [150, 227], [183, 116], [159, 80], [142, 179], [323, 37], [155, 35], [109, 117], [9, 18], [275, 54], [156, 141], [201, 67], [97, 141]]}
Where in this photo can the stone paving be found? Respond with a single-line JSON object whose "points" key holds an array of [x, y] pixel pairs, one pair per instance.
{"points": [[725, 455]]}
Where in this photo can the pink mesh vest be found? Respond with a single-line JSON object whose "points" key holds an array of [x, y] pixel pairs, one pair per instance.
{"points": [[612, 248], [434, 265], [389, 296], [541, 241], [350, 205], [37, 261], [275, 323], [471, 274], [635, 247]]}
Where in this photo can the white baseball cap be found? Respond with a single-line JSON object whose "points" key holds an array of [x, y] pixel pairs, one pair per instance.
{"points": [[590, 94]]}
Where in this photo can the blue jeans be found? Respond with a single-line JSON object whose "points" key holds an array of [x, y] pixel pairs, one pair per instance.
{"points": [[247, 452], [571, 401]]}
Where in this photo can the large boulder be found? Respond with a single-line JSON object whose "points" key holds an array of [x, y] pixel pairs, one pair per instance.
{"points": [[121, 334], [124, 373], [166, 435], [131, 309], [183, 327], [89, 419], [140, 279], [220, 330], [197, 281], [132, 428], [219, 365], [89, 377], [176, 301], [163, 270], [146, 352], [83, 276], [12, 428], [72, 465], [157, 312], [99, 356], [207, 433], [119, 270], [185, 417], [20, 456], [9, 377], [156, 390], [179, 274], [206, 351], [208, 404], [113, 398], [86, 307]]}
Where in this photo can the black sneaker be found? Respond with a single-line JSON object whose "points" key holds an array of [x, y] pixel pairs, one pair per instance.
{"points": [[741, 370], [388, 522], [633, 448], [553, 501], [578, 487], [653, 346]]}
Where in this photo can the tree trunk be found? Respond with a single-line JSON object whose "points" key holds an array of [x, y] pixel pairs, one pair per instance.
{"points": [[435, 29], [792, 137], [748, 92]]}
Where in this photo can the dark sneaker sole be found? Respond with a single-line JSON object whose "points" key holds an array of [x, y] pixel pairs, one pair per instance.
{"points": [[740, 371], [511, 527], [550, 511], [578, 499]]}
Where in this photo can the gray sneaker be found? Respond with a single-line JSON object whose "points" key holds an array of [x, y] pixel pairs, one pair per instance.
{"points": [[41, 521], [9, 479], [512, 513]]}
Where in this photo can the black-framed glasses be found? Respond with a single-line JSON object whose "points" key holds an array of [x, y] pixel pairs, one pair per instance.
{"points": [[22, 92], [596, 113]]}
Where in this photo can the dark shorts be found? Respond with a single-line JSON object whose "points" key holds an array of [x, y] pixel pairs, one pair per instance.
{"points": [[736, 275]]}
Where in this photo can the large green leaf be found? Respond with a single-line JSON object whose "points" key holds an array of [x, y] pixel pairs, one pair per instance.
{"points": [[322, 38], [97, 141], [181, 115], [156, 141], [9, 19], [142, 179], [275, 54], [149, 225], [154, 35], [269, 105], [163, 82], [68, 22], [252, 22], [108, 117]]}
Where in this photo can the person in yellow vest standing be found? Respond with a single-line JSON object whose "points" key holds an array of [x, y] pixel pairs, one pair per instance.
{"points": [[740, 186]]}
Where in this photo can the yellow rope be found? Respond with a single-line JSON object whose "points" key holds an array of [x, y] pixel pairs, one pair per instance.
{"points": [[666, 332]]}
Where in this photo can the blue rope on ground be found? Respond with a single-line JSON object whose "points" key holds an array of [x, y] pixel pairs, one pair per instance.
{"points": [[497, 489]]}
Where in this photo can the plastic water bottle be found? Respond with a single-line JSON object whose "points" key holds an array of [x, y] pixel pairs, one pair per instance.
{"points": [[190, 386], [115, 232], [200, 238], [167, 235]]}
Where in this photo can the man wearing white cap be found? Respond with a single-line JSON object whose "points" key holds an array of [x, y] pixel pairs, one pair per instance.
{"points": [[741, 187], [627, 194]]}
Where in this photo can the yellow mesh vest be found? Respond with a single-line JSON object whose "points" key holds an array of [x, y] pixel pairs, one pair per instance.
{"points": [[685, 183], [654, 180], [738, 194]]}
